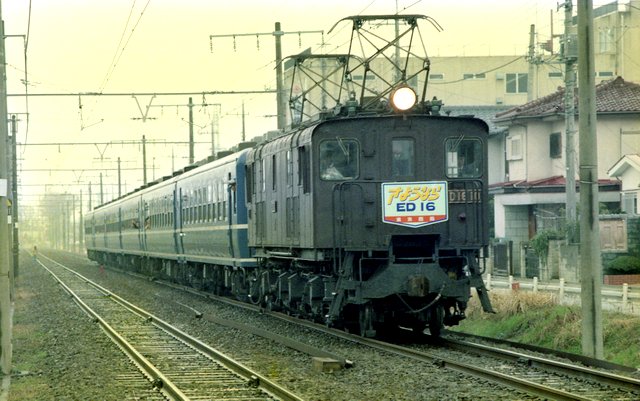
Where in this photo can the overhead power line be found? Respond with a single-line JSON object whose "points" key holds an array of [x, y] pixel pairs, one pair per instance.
{"points": [[246, 92]]}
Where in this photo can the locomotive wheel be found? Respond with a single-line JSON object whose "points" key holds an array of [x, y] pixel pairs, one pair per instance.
{"points": [[366, 321], [436, 318]]}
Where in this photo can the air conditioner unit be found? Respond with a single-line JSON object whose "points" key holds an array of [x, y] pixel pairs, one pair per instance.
{"points": [[499, 76]]}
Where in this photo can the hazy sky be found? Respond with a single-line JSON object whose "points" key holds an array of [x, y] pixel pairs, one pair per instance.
{"points": [[156, 46]]}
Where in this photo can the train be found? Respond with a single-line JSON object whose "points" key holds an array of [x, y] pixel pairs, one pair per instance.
{"points": [[371, 215]]}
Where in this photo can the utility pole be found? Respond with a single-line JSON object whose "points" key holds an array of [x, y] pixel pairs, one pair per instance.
{"points": [[73, 220], [81, 228], [591, 273], [14, 192], [119, 180], [144, 160], [569, 123], [5, 281], [244, 134], [532, 63], [102, 192], [191, 155], [277, 33], [280, 97]]}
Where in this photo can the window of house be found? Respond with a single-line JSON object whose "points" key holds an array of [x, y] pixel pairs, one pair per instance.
{"points": [[403, 157], [555, 145], [606, 40], [514, 147], [516, 83], [436, 77], [481, 75], [555, 74]]}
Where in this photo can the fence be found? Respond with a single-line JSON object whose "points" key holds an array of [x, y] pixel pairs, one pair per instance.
{"points": [[620, 298]]}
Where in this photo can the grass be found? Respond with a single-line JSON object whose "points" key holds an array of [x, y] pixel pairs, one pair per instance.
{"points": [[536, 318]]}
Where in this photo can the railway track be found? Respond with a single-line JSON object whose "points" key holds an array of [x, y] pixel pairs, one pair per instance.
{"points": [[179, 366], [523, 370], [540, 376]]}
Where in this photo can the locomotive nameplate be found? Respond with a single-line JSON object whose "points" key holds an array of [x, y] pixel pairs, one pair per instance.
{"points": [[465, 196], [414, 204]]}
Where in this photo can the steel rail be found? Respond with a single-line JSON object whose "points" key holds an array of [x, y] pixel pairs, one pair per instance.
{"points": [[248, 374], [513, 382], [545, 364], [168, 388], [505, 379]]}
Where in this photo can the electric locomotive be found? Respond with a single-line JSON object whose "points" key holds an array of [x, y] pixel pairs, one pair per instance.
{"points": [[368, 213]]}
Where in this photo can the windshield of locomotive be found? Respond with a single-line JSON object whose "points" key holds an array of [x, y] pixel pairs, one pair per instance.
{"points": [[339, 159], [464, 157]]}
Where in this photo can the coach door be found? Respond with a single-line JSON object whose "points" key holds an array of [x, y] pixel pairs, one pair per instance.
{"points": [[142, 235], [177, 221], [120, 227]]}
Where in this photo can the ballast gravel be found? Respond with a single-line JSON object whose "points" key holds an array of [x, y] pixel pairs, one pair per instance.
{"points": [[60, 354]]}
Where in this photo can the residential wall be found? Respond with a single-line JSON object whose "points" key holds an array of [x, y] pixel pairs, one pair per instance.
{"points": [[517, 230], [496, 161]]}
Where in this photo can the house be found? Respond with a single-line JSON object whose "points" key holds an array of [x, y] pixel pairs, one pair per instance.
{"points": [[529, 194], [627, 170]]}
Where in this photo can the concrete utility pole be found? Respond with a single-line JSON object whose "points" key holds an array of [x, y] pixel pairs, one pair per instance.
{"points": [[119, 180], [5, 283], [280, 94], [144, 159], [569, 123], [591, 273], [191, 153], [14, 195], [532, 63]]}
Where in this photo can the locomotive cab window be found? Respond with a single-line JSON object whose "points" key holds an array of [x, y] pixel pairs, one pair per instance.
{"points": [[464, 157], [403, 157], [339, 159]]}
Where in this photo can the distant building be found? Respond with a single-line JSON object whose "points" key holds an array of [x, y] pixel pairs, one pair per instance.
{"points": [[529, 195]]}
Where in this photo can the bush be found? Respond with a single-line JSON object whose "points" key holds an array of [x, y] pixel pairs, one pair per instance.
{"points": [[623, 265], [540, 243]]}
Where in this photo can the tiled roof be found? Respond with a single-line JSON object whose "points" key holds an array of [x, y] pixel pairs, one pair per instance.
{"points": [[485, 113], [613, 96]]}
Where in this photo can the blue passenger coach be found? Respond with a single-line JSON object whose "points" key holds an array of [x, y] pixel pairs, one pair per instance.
{"points": [[191, 225]]}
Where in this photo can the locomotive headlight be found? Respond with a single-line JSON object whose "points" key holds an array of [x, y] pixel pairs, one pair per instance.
{"points": [[403, 98]]}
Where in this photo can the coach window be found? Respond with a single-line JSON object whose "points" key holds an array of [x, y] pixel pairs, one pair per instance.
{"points": [[339, 159], [403, 156], [464, 157]]}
